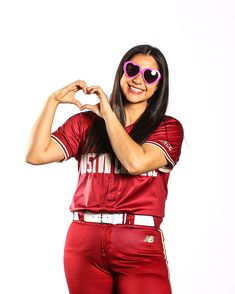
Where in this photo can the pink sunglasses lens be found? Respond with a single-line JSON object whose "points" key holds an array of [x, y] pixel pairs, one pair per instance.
{"points": [[132, 70], [151, 76]]}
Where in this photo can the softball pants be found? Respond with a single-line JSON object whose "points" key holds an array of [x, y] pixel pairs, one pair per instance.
{"points": [[120, 259]]}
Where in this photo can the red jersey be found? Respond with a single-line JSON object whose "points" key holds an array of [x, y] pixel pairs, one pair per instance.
{"points": [[104, 184]]}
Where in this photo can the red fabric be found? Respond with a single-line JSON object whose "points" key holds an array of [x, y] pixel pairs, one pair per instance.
{"points": [[121, 259], [105, 185]]}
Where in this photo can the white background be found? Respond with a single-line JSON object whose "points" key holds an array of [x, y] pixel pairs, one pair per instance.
{"points": [[47, 44]]}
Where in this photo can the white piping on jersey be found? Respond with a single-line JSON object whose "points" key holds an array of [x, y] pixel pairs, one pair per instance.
{"points": [[164, 151], [62, 146]]}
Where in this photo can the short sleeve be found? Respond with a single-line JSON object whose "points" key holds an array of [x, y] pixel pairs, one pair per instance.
{"points": [[68, 136], [168, 137]]}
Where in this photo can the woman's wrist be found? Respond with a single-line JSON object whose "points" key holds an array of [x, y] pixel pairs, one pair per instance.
{"points": [[109, 116], [52, 99]]}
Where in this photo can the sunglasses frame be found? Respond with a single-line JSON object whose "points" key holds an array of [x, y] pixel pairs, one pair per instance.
{"points": [[142, 71]]}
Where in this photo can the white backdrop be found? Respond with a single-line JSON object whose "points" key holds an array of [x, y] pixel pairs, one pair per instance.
{"points": [[47, 44]]}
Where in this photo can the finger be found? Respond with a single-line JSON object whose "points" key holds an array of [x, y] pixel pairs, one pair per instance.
{"points": [[91, 91], [93, 87], [82, 85], [88, 106], [94, 90], [74, 101], [76, 86]]}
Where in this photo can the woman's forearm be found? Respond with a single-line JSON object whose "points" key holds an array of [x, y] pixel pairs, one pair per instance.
{"points": [[126, 149], [40, 136]]}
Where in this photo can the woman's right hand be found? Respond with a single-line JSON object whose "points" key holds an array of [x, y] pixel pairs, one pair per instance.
{"points": [[66, 94]]}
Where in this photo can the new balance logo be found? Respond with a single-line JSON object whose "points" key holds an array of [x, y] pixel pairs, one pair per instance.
{"points": [[149, 239]]}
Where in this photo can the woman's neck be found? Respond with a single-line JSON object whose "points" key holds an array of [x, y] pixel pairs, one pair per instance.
{"points": [[133, 112]]}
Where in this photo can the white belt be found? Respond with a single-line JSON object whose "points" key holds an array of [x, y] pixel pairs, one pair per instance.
{"points": [[115, 218]]}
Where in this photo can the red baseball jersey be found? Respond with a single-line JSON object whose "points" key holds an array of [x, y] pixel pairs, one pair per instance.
{"points": [[104, 184]]}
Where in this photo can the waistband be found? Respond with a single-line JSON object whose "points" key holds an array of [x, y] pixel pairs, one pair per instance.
{"points": [[117, 218]]}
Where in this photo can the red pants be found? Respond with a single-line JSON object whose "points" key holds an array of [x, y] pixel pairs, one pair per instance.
{"points": [[121, 259]]}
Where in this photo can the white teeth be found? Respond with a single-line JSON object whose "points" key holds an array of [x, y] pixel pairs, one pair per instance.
{"points": [[135, 89]]}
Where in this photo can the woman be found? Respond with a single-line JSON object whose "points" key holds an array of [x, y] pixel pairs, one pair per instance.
{"points": [[125, 148]]}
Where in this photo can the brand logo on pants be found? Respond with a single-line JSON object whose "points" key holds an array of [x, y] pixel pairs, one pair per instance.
{"points": [[149, 239]]}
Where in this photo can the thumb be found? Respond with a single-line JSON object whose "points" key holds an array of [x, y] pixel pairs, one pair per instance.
{"points": [[88, 106], [93, 108], [76, 102]]}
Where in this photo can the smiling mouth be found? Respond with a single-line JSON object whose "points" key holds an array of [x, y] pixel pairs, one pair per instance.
{"points": [[135, 90]]}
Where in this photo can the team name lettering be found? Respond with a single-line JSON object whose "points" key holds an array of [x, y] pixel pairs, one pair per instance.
{"points": [[103, 164]]}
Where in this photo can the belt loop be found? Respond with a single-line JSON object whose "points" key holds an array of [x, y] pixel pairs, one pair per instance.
{"points": [[130, 219], [81, 216], [157, 221], [124, 216]]}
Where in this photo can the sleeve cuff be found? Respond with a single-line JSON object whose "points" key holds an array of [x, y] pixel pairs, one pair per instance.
{"points": [[62, 146], [169, 159]]}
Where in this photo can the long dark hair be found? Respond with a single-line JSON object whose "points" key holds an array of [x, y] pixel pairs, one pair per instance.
{"points": [[97, 138]]}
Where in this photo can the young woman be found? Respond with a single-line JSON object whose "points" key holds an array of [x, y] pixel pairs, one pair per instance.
{"points": [[125, 148]]}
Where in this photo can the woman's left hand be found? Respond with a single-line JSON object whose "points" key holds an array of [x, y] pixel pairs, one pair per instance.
{"points": [[103, 107]]}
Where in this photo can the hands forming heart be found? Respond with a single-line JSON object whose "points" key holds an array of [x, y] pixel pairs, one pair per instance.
{"points": [[66, 95], [103, 107]]}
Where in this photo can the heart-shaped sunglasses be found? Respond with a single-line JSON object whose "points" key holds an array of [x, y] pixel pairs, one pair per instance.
{"points": [[149, 75]]}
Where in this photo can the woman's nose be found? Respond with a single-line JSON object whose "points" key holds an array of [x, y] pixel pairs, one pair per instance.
{"points": [[138, 79]]}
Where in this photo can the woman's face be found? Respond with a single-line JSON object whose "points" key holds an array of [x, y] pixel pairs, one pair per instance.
{"points": [[135, 89]]}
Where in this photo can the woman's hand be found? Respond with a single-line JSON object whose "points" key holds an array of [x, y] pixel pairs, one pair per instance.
{"points": [[103, 108], [66, 94]]}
